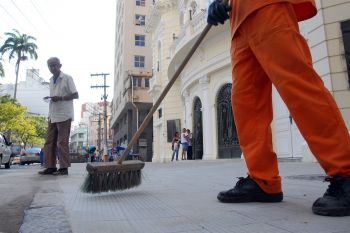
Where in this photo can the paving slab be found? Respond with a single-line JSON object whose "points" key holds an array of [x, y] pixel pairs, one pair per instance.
{"points": [[181, 197]]}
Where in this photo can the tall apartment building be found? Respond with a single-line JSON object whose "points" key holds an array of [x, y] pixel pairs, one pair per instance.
{"points": [[132, 71]]}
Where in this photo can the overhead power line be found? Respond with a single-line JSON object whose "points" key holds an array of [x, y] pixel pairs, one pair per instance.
{"points": [[39, 13], [13, 18], [30, 22]]}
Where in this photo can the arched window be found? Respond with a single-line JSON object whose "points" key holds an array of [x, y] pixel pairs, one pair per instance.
{"points": [[194, 7], [159, 56]]}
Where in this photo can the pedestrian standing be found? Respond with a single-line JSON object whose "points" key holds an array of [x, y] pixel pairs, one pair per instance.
{"points": [[41, 156], [267, 48], [175, 146], [184, 144], [61, 114], [189, 149]]}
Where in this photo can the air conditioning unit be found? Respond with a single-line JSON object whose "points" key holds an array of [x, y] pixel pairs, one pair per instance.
{"points": [[142, 142]]}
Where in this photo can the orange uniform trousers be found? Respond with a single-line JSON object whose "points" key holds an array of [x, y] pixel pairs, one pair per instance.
{"points": [[241, 9], [268, 49]]}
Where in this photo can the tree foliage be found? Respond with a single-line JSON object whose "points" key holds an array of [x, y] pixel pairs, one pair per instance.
{"points": [[8, 115], [40, 123], [18, 46], [24, 128], [7, 99]]}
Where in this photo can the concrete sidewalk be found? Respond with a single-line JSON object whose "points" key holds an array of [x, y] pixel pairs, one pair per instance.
{"points": [[181, 197]]}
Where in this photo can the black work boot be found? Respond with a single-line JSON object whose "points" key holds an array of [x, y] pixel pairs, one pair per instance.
{"points": [[61, 172], [247, 190], [336, 200], [48, 171]]}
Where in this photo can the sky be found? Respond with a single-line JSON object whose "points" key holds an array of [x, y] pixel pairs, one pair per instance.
{"points": [[80, 33]]}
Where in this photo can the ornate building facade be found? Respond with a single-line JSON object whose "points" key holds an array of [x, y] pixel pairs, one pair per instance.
{"points": [[201, 97]]}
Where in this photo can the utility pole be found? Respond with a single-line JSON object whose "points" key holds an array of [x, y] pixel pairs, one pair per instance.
{"points": [[104, 86], [99, 133]]}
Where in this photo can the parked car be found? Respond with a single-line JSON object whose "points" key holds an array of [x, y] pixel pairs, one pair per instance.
{"points": [[31, 155], [16, 149], [5, 152], [16, 159]]}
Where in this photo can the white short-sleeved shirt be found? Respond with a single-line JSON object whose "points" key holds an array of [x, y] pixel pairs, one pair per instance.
{"points": [[183, 138], [61, 110]]}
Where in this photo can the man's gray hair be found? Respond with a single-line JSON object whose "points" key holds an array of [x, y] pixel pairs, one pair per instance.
{"points": [[54, 59]]}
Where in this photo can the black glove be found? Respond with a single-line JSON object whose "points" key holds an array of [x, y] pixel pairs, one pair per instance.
{"points": [[217, 12]]}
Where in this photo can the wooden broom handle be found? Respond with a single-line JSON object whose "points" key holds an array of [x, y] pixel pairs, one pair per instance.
{"points": [[163, 94]]}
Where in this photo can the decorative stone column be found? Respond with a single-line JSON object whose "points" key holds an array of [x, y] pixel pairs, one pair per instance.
{"points": [[187, 111], [208, 129], [163, 156]]}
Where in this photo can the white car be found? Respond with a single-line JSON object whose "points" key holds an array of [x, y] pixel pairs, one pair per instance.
{"points": [[5, 152], [32, 155]]}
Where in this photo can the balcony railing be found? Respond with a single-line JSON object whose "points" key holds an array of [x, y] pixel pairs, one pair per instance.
{"points": [[155, 9], [199, 21], [189, 29]]}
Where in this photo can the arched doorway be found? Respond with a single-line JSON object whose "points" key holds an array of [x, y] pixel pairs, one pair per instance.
{"points": [[197, 139], [228, 143]]}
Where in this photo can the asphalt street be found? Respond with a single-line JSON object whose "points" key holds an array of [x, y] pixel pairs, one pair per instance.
{"points": [[18, 185]]}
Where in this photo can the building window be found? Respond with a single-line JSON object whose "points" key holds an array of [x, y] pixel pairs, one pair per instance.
{"points": [[139, 61], [194, 7], [136, 81], [140, 2], [139, 40], [345, 28], [140, 20], [146, 82], [172, 127], [160, 113]]}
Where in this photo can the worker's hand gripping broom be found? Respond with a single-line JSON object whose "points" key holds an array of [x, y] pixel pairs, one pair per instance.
{"points": [[120, 175]]}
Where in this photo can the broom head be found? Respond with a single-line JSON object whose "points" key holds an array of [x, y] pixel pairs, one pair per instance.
{"points": [[112, 176]]}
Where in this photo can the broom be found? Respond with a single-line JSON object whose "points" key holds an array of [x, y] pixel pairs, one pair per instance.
{"points": [[120, 175]]}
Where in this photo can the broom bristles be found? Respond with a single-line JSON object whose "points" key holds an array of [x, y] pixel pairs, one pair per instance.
{"points": [[104, 177]]}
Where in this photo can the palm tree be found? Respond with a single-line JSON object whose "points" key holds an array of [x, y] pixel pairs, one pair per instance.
{"points": [[18, 46], [2, 72]]}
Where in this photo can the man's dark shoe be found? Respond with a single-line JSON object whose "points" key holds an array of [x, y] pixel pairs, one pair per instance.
{"points": [[61, 172], [336, 200], [47, 171], [247, 190]]}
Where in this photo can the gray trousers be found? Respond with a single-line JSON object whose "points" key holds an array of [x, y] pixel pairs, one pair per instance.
{"points": [[57, 144]]}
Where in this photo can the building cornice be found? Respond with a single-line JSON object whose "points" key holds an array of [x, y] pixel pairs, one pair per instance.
{"points": [[201, 75], [204, 80], [155, 11], [189, 30]]}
